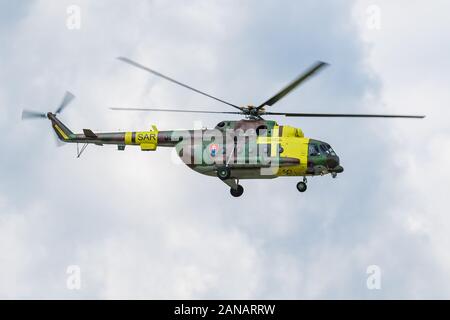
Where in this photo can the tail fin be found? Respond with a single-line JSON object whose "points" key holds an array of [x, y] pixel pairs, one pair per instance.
{"points": [[61, 130]]}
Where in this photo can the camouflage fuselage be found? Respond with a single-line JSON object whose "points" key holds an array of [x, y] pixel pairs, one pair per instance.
{"points": [[252, 149]]}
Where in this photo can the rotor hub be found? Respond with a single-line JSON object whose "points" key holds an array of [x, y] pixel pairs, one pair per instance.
{"points": [[252, 112]]}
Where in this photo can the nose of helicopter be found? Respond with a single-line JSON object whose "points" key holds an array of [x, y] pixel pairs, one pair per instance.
{"points": [[333, 164], [332, 161]]}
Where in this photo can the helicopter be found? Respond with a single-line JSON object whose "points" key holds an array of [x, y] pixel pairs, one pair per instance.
{"points": [[234, 150]]}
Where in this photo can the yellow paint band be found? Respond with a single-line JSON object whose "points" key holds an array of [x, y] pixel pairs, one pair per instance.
{"points": [[61, 132], [294, 147], [147, 137], [128, 137], [274, 141]]}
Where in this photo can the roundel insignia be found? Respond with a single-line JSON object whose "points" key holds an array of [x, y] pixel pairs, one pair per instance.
{"points": [[213, 149]]}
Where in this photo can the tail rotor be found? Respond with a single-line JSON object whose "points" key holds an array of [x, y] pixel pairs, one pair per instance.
{"points": [[31, 114]]}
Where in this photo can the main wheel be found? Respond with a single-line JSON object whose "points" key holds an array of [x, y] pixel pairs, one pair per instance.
{"points": [[237, 192], [223, 173], [301, 186]]}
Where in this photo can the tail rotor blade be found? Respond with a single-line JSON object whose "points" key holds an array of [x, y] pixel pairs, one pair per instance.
{"points": [[68, 97], [29, 114]]}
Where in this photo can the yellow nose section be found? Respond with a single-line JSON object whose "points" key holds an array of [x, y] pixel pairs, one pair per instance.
{"points": [[294, 145]]}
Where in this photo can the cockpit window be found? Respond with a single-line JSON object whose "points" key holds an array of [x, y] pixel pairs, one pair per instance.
{"points": [[314, 150], [320, 148], [328, 148]]}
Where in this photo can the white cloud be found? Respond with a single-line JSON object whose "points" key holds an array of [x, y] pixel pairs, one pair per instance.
{"points": [[409, 57]]}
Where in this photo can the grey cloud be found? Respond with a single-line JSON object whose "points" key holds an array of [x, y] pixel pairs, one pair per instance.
{"points": [[130, 238]]}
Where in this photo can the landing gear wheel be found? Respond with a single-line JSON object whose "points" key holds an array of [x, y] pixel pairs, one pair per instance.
{"points": [[301, 186], [237, 192], [223, 173]]}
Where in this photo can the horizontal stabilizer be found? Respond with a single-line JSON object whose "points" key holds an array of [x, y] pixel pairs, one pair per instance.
{"points": [[89, 134]]}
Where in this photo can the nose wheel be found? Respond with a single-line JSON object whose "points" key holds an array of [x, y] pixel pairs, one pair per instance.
{"points": [[301, 186], [238, 191]]}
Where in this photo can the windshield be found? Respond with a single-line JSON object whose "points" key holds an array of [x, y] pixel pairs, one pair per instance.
{"points": [[325, 147], [320, 148]]}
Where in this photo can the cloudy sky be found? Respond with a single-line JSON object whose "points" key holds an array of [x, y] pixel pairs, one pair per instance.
{"points": [[141, 225]]}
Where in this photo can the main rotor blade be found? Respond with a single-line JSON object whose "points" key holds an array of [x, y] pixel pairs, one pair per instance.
{"points": [[174, 110], [291, 86], [28, 114], [133, 63], [68, 97], [343, 115]]}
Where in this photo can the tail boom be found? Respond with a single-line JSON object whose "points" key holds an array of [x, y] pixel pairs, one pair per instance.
{"points": [[147, 140]]}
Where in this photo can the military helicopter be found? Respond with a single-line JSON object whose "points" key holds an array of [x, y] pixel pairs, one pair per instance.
{"points": [[250, 148]]}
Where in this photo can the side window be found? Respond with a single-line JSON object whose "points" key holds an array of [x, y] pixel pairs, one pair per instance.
{"points": [[313, 150], [262, 130]]}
